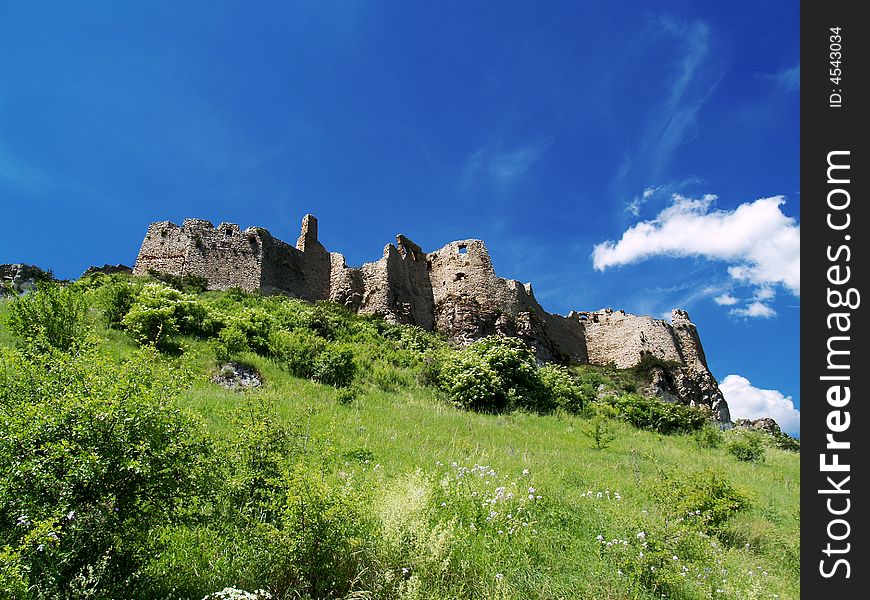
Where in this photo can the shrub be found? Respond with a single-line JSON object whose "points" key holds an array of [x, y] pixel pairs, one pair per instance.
{"points": [[51, 315], [334, 366], [709, 436], [94, 456], [562, 390], [257, 325], [230, 342], [747, 446], [656, 415], [702, 499], [492, 375], [116, 298], [191, 284], [160, 312], [297, 350], [599, 431]]}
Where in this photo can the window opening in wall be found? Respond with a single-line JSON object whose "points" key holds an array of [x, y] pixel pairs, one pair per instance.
{"points": [[228, 232], [459, 277], [463, 249]]}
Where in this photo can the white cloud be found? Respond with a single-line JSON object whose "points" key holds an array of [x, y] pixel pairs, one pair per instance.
{"points": [[754, 309], [725, 299], [638, 201], [758, 241], [746, 401]]}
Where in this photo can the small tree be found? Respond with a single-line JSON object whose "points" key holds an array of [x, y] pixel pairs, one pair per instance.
{"points": [[599, 430]]}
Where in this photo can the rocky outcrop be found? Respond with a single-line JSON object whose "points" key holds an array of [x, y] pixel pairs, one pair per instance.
{"points": [[21, 277], [453, 290], [107, 270]]}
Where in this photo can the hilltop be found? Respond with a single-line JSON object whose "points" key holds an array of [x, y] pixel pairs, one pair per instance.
{"points": [[453, 290], [372, 460]]}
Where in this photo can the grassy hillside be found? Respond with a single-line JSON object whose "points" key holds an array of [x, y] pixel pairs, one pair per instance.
{"points": [[356, 470]]}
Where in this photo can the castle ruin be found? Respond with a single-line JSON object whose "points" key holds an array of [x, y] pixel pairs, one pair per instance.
{"points": [[453, 290]]}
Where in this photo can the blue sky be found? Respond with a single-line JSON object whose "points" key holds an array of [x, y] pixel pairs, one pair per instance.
{"points": [[636, 155]]}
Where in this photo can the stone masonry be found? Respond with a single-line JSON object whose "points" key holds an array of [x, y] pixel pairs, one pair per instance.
{"points": [[453, 290]]}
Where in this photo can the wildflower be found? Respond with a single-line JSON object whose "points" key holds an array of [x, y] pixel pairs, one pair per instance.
{"points": [[600, 538], [499, 576], [525, 471], [40, 548], [22, 521], [641, 535], [52, 535], [675, 558], [443, 504], [405, 570]]}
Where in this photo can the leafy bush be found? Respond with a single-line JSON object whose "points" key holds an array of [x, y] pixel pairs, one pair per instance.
{"points": [[599, 431], [709, 436], [94, 456], [160, 312], [51, 315], [116, 297], [297, 350], [702, 499], [492, 375], [649, 362], [562, 390], [256, 323], [656, 415], [230, 341], [334, 366], [190, 284], [747, 446]]}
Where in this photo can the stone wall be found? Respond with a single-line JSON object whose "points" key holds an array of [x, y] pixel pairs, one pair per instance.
{"points": [[454, 290]]}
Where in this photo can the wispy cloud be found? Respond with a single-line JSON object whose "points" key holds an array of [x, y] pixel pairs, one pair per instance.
{"points": [[17, 174], [787, 79], [760, 244], [675, 119], [633, 207], [726, 299], [695, 72], [504, 166]]}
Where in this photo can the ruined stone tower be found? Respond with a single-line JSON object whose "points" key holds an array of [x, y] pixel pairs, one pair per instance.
{"points": [[454, 290]]}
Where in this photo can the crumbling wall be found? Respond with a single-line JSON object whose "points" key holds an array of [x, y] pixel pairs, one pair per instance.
{"points": [[164, 249], [453, 290], [622, 339]]}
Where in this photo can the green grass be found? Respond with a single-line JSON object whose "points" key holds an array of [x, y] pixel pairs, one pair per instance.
{"points": [[396, 427]]}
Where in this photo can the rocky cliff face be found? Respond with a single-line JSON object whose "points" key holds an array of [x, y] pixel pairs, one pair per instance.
{"points": [[454, 290]]}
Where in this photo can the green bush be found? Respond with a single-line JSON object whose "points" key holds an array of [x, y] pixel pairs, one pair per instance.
{"points": [[702, 499], [256, 323], [334, 366], [656, 415], [161, 312], [94, 457], [598, 430], [709, 436], [115, 298], [747, 446], [51, 316], [190, 284], [297, 350], [230, 342], [562, 390], [492, 375]]}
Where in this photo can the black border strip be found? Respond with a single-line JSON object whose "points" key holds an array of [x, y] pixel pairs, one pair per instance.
{"points": [[834, 120]]}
